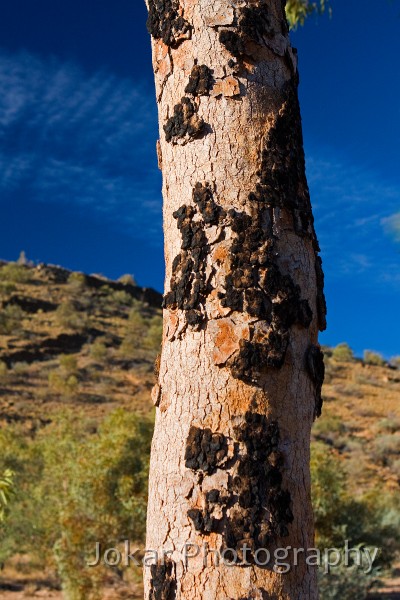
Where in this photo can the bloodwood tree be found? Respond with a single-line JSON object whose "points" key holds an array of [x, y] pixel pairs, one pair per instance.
{"points": [[241, 371]]}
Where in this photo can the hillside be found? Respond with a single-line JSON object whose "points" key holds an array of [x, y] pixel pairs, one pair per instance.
{"points": [[109, 330], [361, 420], [75, 349]]}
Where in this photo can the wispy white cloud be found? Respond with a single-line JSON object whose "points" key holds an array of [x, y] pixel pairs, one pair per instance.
{"points": [[72, 137], [69, 136], [353, 206]]}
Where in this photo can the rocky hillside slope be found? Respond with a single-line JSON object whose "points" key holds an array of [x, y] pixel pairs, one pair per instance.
{"points": [[86, 344]]}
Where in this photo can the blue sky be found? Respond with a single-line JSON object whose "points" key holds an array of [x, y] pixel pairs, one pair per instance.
{"points": [[79, 184]]}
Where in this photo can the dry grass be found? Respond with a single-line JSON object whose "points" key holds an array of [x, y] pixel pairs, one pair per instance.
{"points": [[361, 418]]}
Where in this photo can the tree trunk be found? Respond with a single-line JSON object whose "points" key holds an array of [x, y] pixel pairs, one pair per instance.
{"points": [[240, 371]]}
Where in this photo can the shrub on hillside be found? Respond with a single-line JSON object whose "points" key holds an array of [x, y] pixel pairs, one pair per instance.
{"points": [[14, 273], [390, 424], [69, 364], [136, 331], [373, 358], [143, 335], [129, 347], [329, 426], [120, 298], [372, 519], [6, 288], [345, 582], [69, 317], [98, 350], [67, 386], [154, 334], [11, 319], [65, 380], [77, 282], [386, 447], [343, 353]]}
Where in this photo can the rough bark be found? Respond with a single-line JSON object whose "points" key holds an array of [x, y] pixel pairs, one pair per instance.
{"points": [[240, 371]]}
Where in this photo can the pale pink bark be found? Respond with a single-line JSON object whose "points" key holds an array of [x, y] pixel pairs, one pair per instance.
{"points": [[240, 369]]}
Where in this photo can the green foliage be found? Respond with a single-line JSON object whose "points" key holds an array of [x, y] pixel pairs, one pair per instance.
{"points": [[66, 386], [386, 447], [14, 273], [77, 282], [329, 426], [391, 424], [6, 288], [69, 317], [142, 333], [121, 298], [373, 358], [372, 519], [98, 350], [345, 583], [343, 353], [136, 332], [328, 487], [64, 381], [10, 319], [111, 299], [137, 323], [69, 364], [154, 334], [76, 487], [104, 498], [298, 10]]}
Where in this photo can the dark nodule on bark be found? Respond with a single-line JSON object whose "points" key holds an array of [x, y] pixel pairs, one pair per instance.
{"points": [[316, 369], [259, 508], [185, 122], [188, 286], [254, 25], [200, 81], [257, 286], [204, 198], [163, 581], [232, 42], [165, 23], [283, 184], [321, 301], [205, 451], [282, 181]]}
